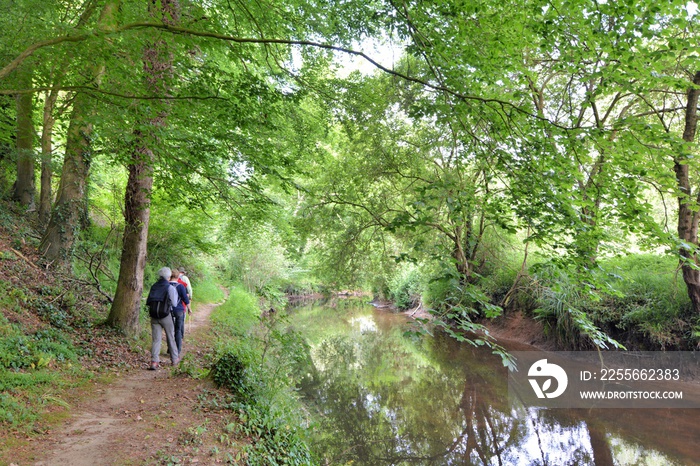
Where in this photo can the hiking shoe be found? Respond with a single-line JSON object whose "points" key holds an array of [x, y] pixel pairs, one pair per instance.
{"points": [[153, 366]]}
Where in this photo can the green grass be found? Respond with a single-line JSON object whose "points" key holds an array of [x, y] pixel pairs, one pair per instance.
{"points": [[639, 299], [207, 291], [32, 367], [238, 314], [35, 365], [654, 300], [264, 399], [25, 395], [649, 274]]}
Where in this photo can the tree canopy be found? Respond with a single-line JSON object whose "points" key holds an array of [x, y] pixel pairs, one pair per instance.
{"points": [[564, 128]]}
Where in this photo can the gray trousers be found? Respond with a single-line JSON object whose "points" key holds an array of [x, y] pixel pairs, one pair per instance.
{"points": [[166, 323]]}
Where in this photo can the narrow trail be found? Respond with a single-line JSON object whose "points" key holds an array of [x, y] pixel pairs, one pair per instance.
{"points": [[140, 418]]}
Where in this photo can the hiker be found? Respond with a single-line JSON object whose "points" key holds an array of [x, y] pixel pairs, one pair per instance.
{"points": [[184, 279], [159, 302], [182, 303]]}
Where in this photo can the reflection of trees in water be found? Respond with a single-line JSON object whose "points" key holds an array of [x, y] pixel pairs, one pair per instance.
{"points": [[300, 302], [379, 407], [384, 398], [487, 435], [554, 438], [602, 454], [668, 434]]}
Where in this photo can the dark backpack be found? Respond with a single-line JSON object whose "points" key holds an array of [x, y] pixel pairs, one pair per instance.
{"points": [[158, 301]]}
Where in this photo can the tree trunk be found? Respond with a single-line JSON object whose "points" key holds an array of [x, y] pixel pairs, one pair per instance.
{"points": [[24, 184], [461, 262], [70, 209], [158, 72], [466, 242], [64, 224], [46, 156], [6, 147], [687, 204], [125, 310], [602, 453]]}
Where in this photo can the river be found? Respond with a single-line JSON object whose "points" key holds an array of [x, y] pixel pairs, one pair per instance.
{"points": [[382, 396]]}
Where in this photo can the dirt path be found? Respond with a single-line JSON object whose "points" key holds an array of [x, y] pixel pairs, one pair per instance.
{"points": [[144, 417]]}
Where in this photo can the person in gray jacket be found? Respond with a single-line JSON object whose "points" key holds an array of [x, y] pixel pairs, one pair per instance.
{"points": [[164, 323]]}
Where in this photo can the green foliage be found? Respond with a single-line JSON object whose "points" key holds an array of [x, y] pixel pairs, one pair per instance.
{"points": [[13, 298], [12, 411], [54, 344], [6, 328], [448, 295], [42, 349], [208, 290], [406, 286], [57, 316], [189, 367], [438, 293], [96, 257], [12, 380], [15, 352], [275, 442], [178, 233], [29, 375], [639, 301], [34, 366], [457, 307], [229, 371], [278, 175], [565, 307], [237, 315], [256, 365], [252, 362], [257, 259], [653, 305], [302, 285]]}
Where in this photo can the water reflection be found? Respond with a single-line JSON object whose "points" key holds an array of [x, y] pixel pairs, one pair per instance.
{"points": [[385, 398]]}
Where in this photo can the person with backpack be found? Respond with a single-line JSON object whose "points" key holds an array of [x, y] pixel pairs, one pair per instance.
{"points": [[159, 303], [184, 279], [179, 308], [188, 287]]}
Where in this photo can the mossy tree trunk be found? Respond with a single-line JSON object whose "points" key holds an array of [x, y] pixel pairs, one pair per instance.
{"points": [[45, 192], [64, 223], [24, 183], [158, 73], [124, 313], [70, 209], [688, 201]]}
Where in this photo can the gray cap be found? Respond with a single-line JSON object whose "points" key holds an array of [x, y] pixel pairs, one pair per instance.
{"points": [[164, 273]]}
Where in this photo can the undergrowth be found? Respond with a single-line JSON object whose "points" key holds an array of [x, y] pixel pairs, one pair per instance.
{"points": [[637, 301], [50, 323], [254, 361]]}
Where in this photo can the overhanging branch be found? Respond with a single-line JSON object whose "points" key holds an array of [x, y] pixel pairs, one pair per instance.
{"points": [[92, 89], [29, 51]]}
